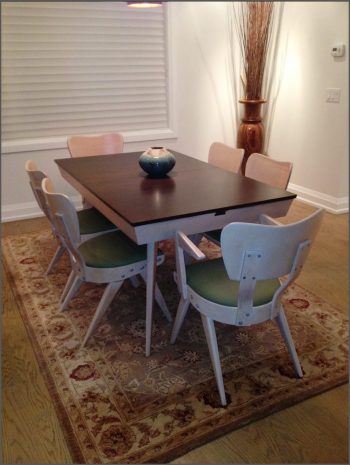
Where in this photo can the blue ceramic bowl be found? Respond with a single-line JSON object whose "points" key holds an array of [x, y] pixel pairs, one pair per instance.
{"points": [[157, 162]]}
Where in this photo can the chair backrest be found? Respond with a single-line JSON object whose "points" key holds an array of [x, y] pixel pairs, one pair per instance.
{"points": [[267, 170], [64, 216], [267, 251], [225, 157], [35, 179], [103, 144]]}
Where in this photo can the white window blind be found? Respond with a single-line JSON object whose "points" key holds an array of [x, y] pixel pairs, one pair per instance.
{"points": [[82, 67]]}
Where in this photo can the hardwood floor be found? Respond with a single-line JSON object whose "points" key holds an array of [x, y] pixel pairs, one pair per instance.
{"points": [[313, 431]]}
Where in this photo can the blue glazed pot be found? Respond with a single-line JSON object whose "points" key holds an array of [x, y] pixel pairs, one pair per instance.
{"points": [[157, 162]]}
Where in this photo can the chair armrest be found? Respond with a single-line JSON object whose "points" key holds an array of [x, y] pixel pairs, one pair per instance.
{"points": [[184, 244], [189, 247], [265, 219]]}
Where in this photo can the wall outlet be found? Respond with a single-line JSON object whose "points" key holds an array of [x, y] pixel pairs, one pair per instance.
{"points": [[333, 95]]}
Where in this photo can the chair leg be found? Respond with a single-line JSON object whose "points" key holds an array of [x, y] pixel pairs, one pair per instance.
{"points": [[180, 316], [134, 281], [284, 328], [67, 286], [72, 287], [210, 335], [58, 254], [159, 299], [161, 302], [108, 295]]}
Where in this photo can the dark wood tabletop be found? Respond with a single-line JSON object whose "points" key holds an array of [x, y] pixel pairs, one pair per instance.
{"points": [[193, 187]]}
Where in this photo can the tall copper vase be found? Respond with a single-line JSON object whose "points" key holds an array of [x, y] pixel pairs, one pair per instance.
{"points": [[251, 131]]}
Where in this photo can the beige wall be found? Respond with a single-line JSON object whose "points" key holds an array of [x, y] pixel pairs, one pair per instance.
{"points": [[306, 130]]}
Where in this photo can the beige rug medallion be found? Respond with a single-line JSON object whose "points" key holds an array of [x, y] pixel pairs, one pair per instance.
{"points": [[116, 406]]}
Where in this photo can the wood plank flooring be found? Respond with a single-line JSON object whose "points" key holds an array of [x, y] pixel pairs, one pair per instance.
{"points": [[314, 431]]}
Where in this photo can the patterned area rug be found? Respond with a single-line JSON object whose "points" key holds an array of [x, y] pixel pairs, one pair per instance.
{"points": [[116, 406]]}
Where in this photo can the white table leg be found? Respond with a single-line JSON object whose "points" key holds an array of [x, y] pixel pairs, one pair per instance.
{"points": [[151, 271]]}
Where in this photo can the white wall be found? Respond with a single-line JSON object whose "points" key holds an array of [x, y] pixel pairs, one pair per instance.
{"points": [[306, 130], [201, 67]]}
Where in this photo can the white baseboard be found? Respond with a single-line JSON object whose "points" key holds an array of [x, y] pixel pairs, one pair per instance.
{"points": [[318, 199], [26, 210]]}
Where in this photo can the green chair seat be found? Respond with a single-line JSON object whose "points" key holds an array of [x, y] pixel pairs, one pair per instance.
{"points": [[92, 221], [215, 235], [209, 279], [112, 250]]}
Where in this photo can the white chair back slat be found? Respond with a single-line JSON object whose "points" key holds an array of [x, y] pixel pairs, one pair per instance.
{"points": [[35, 179], [276, 245], [248, 282], [60, 205]]}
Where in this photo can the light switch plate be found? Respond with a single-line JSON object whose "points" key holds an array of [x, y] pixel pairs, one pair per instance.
{"points": [[333, 95], [338, 50]]}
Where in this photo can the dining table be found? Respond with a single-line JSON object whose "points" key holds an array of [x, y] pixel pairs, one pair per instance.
{"points": [[194, 197]]}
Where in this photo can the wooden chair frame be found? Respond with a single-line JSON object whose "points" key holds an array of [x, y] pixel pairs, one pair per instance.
{"points": [[268, 170], [35, 181], [264, 169], [251, 252], [91, 145], [67, 227], [94, 145], [226, 157]]}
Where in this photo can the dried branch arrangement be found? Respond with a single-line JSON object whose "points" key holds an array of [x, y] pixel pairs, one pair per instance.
{"points": [[254, 24]]}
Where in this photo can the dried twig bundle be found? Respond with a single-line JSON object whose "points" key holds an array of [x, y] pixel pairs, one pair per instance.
{"points": [[254, 23]]}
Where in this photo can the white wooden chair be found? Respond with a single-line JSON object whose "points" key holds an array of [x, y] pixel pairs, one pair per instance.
{"points": [[89, 146], [225, 157], [264, 169], [244, 287], [109, 258], [101, 144], [268, 170], [91, 221]]}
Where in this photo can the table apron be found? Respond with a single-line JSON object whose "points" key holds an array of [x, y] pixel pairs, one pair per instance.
{"points": [[201, 223], [161, 230]]}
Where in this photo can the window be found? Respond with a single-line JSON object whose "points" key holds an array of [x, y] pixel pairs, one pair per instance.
{"points": [[83, 68]]}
